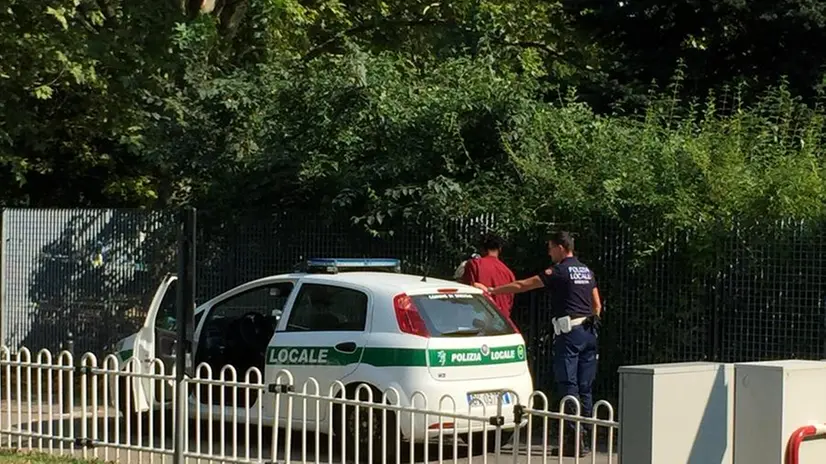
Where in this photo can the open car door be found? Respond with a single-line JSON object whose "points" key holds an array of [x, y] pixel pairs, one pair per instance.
{"points": [[156, 339]]}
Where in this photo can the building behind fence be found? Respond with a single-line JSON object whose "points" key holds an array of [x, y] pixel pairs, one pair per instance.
{"points": [[87, 275]]}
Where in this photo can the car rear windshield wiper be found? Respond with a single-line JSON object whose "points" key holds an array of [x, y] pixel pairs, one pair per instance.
{"points": [[461, 332]]}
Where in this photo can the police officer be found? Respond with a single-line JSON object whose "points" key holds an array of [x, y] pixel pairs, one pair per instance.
{"points": [[575, 312]]}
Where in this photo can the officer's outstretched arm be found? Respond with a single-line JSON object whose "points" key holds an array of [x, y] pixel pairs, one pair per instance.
{"points": [[518, 286]]}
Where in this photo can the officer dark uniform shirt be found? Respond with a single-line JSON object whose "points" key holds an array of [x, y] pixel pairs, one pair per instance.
{"points": [[570, 284]]}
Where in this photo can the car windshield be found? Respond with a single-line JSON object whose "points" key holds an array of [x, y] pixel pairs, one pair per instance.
{"points": [[461, 315]]}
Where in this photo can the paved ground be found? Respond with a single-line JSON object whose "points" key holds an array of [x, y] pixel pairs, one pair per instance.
{"points": [[301, 450]]}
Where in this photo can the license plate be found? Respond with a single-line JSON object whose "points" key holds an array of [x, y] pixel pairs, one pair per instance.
{"points": [[488, 398]]}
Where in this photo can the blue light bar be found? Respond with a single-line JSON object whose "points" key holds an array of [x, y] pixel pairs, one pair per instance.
{"points": [[335, 265]]}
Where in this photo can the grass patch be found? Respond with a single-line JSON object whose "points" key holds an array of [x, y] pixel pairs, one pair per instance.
{"points": [[21, 457]]}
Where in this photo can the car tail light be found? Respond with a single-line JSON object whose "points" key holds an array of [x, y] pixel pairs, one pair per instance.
{"points": [[408, 317], [441, 425]]}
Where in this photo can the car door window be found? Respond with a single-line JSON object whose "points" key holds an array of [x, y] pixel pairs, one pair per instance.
{"points": [[267, 300], [167, 311], [328, 308], [236, 330]]}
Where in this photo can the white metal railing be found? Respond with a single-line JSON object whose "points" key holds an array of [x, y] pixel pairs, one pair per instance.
{"points": [[82, 406]]}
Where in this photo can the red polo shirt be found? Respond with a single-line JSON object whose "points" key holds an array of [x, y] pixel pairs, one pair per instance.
{"points": [[491, 272]]}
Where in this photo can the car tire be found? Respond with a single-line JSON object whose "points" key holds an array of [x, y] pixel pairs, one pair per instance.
{"points": [[478, 445], [364, 433]]}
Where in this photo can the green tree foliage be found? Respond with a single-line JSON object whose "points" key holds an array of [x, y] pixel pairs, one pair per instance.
{"points": [[76, 78], [721, 42], [386, 110], [390, 113]]}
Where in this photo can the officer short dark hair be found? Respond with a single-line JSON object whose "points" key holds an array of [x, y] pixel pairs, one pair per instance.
{"points": [[491, 241], [562, 238]]}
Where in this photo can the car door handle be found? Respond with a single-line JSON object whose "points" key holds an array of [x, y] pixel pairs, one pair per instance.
{"points": [[346, 347]]}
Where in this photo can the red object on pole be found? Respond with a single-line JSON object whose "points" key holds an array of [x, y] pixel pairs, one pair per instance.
{"points": [[793, 446]]}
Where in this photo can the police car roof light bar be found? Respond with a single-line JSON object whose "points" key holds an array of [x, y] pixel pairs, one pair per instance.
{"points": [[335, 265]]}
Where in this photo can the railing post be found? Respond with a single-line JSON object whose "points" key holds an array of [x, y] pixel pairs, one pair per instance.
{"points": [[518, 412], [68, 388], [186, 304], [2, 277]]}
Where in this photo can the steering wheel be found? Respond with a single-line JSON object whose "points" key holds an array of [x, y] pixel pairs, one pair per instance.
{"points": [[252, 328]]}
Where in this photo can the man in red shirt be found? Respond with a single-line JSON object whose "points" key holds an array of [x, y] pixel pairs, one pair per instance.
{"points": [[490, 271]]}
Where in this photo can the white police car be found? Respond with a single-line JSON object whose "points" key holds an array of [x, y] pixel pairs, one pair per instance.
{"points": [[353, 322]]}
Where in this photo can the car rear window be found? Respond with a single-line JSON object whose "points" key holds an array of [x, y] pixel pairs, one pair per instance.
{"points": [[460, 315]]}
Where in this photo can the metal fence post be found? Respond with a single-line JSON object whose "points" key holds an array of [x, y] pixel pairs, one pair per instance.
{"points": [[716, 284], [716, 331], [68, 388], [533, 313], [823, 327], [2, 277], [185, 307]]}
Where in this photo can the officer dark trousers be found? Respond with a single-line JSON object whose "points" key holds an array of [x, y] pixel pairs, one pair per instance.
{"points": [[575, 367]]}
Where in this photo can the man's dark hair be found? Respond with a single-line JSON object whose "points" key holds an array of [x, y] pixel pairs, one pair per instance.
{"points": [[491, 242], [563, 239]]}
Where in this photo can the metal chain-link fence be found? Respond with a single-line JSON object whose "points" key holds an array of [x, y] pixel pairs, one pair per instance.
{"points": [[80, 276], [749, 294]]}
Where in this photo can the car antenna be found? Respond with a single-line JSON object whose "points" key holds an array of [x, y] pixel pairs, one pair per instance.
{"points": [[426, 271]]}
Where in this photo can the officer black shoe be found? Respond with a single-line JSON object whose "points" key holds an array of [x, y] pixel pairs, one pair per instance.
{"points": [[586, 441]]}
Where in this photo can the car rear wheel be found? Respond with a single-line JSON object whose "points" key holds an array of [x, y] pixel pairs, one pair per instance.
{"points": [[382, 432]]}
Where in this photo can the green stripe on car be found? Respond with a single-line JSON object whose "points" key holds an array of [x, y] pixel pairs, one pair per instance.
{"points": [[394, 357], [477, 357], [125, 355]]}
